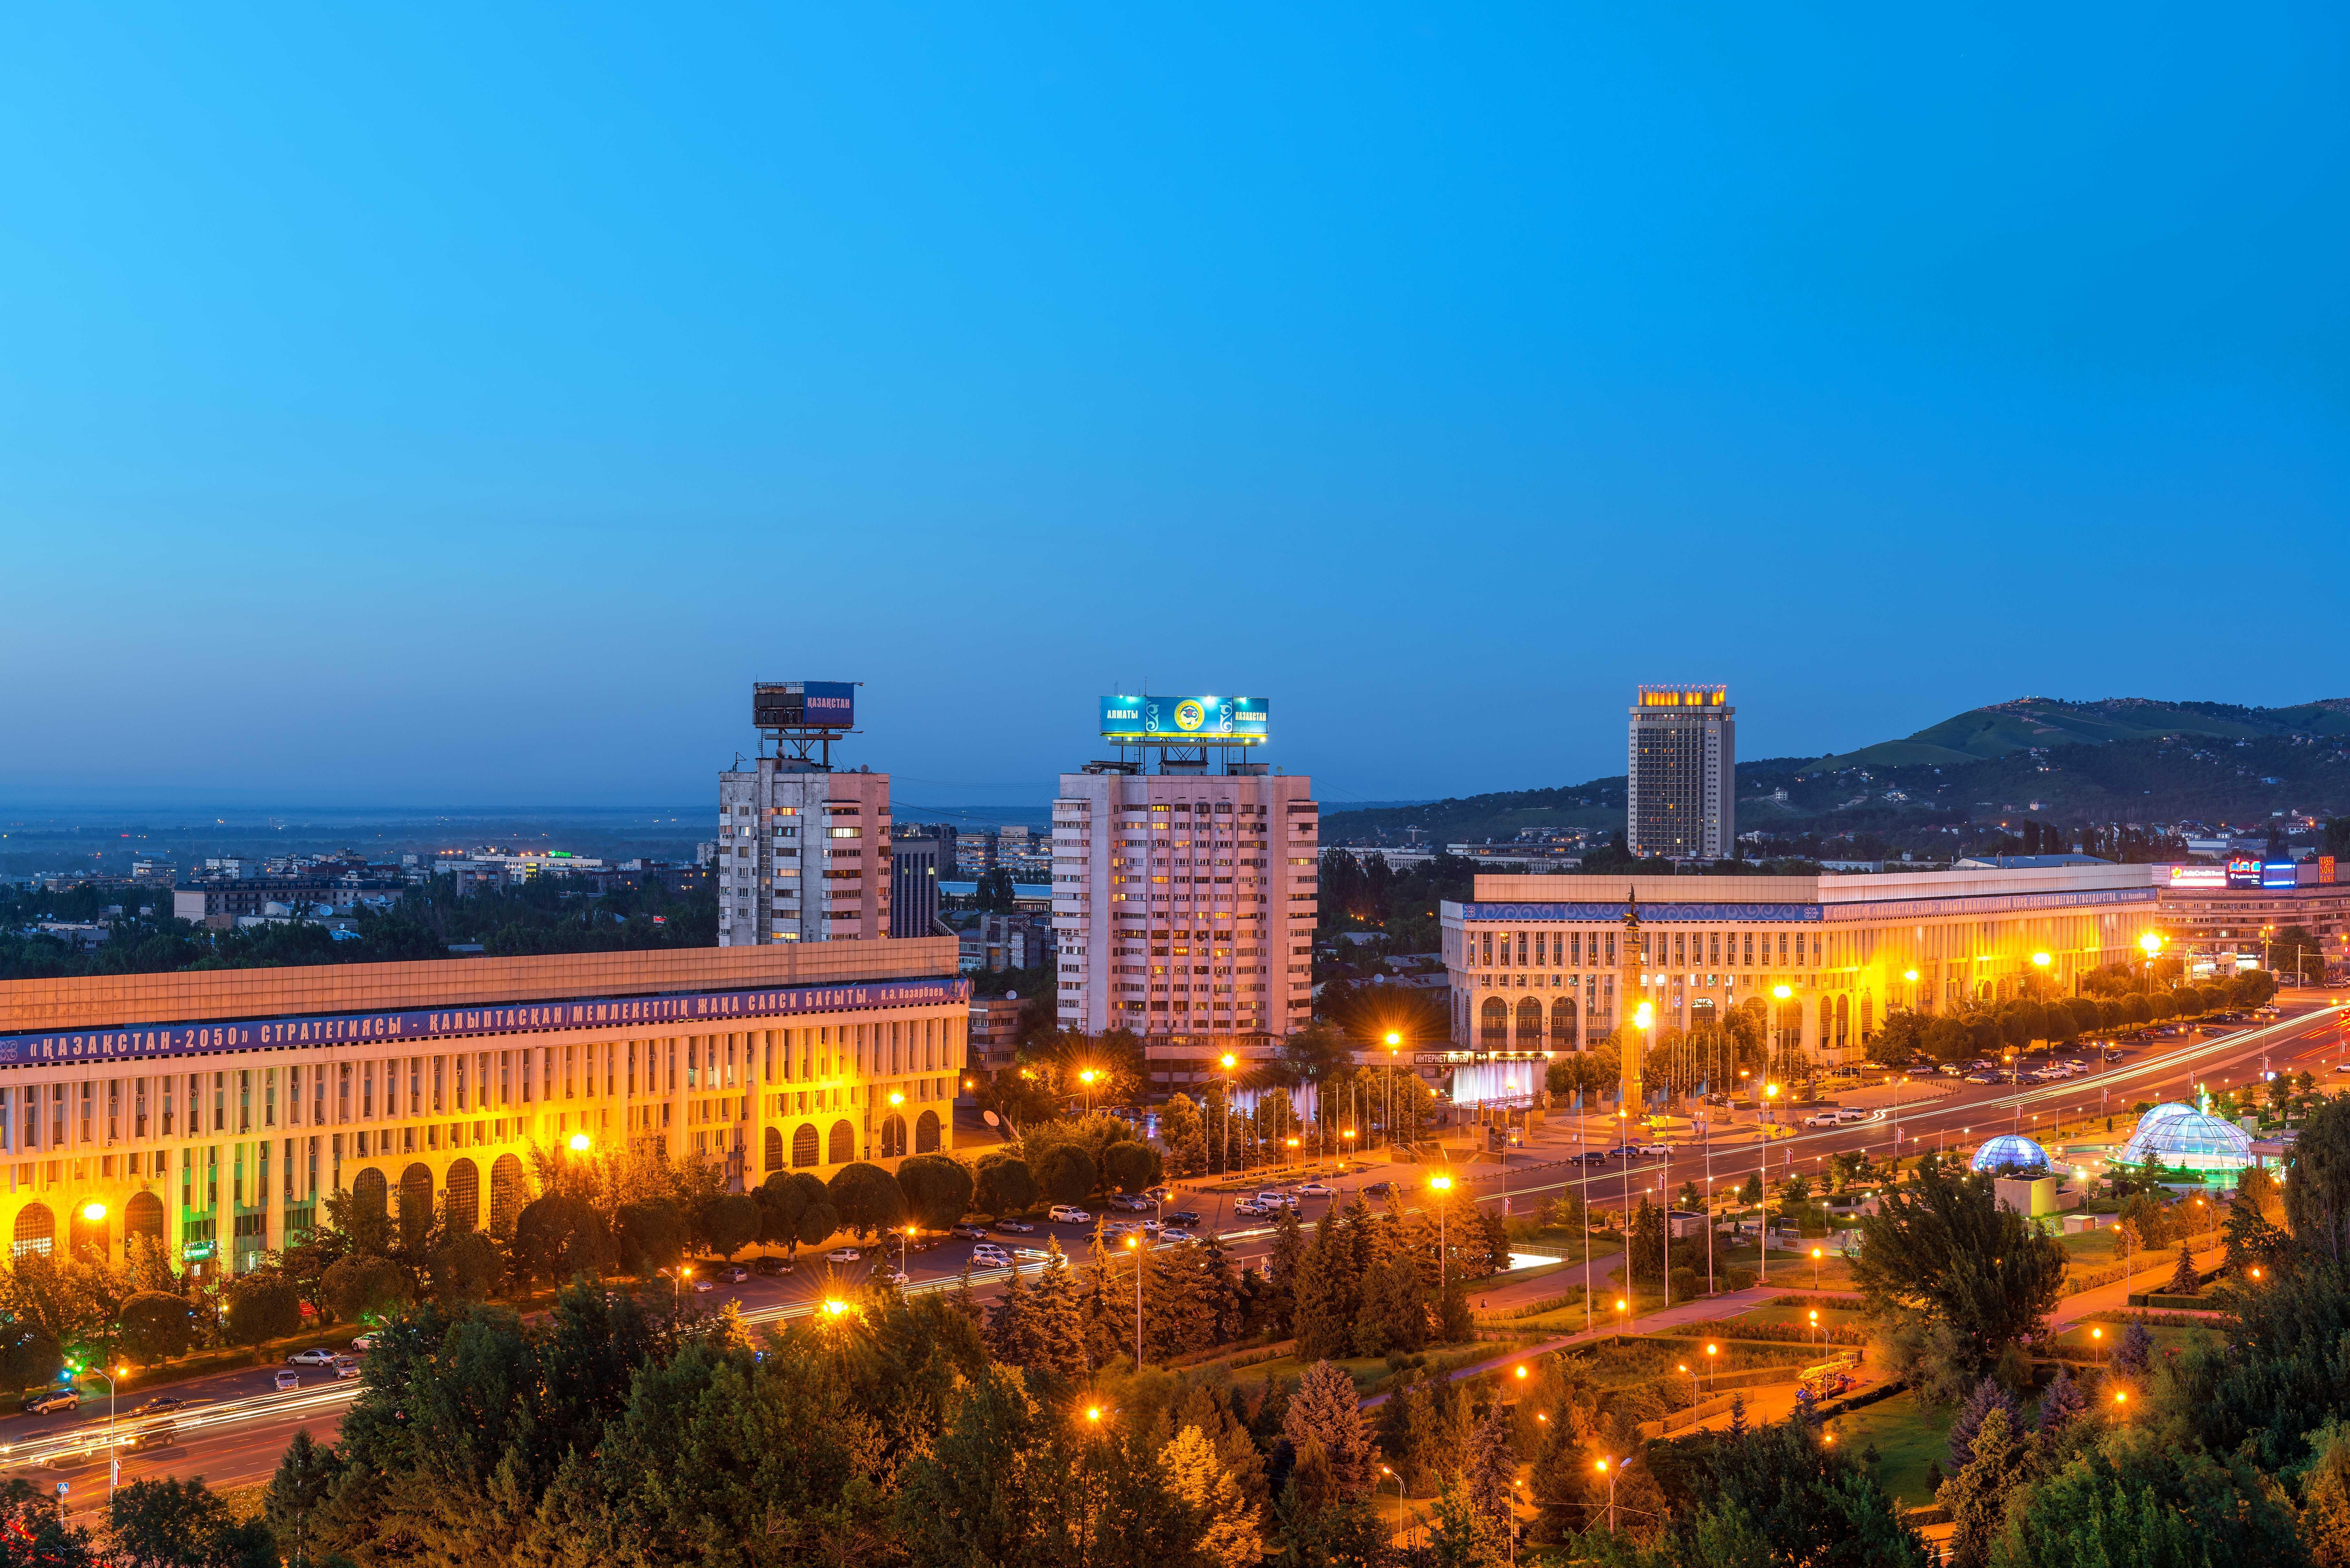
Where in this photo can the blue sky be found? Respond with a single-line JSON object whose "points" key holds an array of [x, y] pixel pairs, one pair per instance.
{"points": [[400, 405]]}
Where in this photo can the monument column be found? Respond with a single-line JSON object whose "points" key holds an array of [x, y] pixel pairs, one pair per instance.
{"points": [[1627, 1002]]}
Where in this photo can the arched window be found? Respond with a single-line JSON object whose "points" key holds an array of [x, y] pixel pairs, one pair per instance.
{"points": [[508, 1192], [803, 1144], [771, 1148], [1844, 1021], [416, 1195], [1530, 1025], [142, 1216], [85, 1237], [36, 1229], [842, 1144], [1494, 1025], [893, 1137], [367, 1189], [1867, 1016], [1562, 1024], [464, 1200], [926, 1134]]}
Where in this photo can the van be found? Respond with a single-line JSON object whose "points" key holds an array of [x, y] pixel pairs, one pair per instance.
{"points": [[1274, 1198], [1069, 1214]]}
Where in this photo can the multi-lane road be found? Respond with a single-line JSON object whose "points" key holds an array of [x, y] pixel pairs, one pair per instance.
{"points": [[236, 1425]]}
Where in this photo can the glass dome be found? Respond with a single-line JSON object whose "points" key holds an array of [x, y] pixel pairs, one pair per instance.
{"points": [[2186, 1139], [2010, 1150]]}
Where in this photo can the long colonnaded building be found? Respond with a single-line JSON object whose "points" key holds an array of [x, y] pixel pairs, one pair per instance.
{"points": [[1543, 963], [215, 1109]]}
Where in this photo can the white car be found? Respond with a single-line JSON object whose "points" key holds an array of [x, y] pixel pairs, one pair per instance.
{"points": [[843, 1255], [1068, 1214], [1249, 1207], [1317, 1190], [288, 1381], [317, 1355], [889, 1276], [1821, 1119], [1851, 1113], [989, 1256], [1655, 1148]]}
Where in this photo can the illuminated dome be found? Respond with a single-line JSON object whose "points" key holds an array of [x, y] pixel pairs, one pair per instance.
{"points": [[2009, 1149], [2186, 1139]]}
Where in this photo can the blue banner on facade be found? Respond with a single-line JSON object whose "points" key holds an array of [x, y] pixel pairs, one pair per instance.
{"points": [[451, 1023]]}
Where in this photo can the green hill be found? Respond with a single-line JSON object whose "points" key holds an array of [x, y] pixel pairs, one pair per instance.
{"points": [[2040, 722]]}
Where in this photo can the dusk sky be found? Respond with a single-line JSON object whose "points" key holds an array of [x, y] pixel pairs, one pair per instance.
{"points": [[463, 406]]}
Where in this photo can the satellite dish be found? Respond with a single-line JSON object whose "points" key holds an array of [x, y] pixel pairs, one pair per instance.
{"points": [[1011, 996], [990, 1118]]}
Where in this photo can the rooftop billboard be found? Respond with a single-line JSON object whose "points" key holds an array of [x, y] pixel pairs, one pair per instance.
{"points": [[804, 704], [1215, 720]]}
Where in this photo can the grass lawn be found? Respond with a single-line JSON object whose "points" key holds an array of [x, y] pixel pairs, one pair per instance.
{"points": [[2078, 1343], [1908, 1439], [1370, 1372], [1833, 1317]]}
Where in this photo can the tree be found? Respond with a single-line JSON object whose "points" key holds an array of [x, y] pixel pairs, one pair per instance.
{"points": [[1066, 1173], [1989, 1394], [729, 1223], [2062, 1403], [465, 1268], [1196, 1474], [1004, 1185], [558, 1236], [364, 1287], [938, 1188], [1977, 1495], [1774, 1494], [1130, 1167], [795, 1209], [1394, 1315], [1943, 1245], [2317, 1183], [2134, 1353], [1490, 1466], [649, 1236], [29, 1354], [183, 1524], [2185, 1280], [2133, 1497], [263, 1306], [155, 1327], [866, 1199], [1327, 1410], [296, 1491], [1182, 1130]]}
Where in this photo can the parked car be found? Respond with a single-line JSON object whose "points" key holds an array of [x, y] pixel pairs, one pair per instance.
{"points": [[1249, 1208], [317, 1355], [843, 1255], [1187, 1216], [701, 1284], [1174, 1233], [50, 1401], [737, 1274], [1015, 1227], [1653, 1150], [988, 1255], [1850, 1113], [347, 1367], [1069, 1214], [1125, 1203], [889, 1276], [363, 1344], [1316, 1189], [964, 1231], [1980, 1078], [1274, 1197], [288, 1381], [770, 1267], [1821, 1119]]}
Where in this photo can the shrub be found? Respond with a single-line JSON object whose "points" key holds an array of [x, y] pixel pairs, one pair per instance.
{"points": [[1005, 1185], [1685, 1285], [731, 1223], [156, 1326], [1066, 1173], [262, 1307], [1741, 1278]]}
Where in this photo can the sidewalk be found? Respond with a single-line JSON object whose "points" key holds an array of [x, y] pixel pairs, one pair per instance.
{"points": [[1702, 1309], [2116, 1296]]}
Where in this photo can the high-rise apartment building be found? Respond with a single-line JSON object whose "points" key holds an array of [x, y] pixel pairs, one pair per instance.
{"points": [[916, 863], [1184, 901], [803, 851], [1680, 793]]}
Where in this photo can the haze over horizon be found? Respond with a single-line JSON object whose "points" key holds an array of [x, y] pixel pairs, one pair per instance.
{"points": [[397, 414]]}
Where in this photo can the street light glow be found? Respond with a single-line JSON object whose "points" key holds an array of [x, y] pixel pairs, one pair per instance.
{"points": [[1643, 1016], [580, 1143], [2039, 959], [93, 1212], [1782, 991]]}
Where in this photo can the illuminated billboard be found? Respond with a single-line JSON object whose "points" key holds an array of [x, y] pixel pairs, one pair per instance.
{"points": [[2277, 874], [2199, 876], [804, 704], [1213, 721], [2243, 871]]}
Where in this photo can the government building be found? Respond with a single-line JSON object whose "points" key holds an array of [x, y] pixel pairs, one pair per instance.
{"points": [[214, 1109], [1541, 963]]}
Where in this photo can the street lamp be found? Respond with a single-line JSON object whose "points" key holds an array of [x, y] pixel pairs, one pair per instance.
{"points": [[1608, 1469], [1085, 1077], [1230, 1062], [1711, 1352], [1134, 1245], [581, 1143], [1441, 1185]]}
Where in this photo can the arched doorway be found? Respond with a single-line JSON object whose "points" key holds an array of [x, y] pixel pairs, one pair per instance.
{"points": [[37, 1230], [508, 1192], [142, 1216], [1562, 1024], [1530, 1025], [1494, 1025], [416, 1197], [842, 1144], [1843, 1021], [770, 1149], [926, 1133], [369, 1190], [464, 1200], [804, 1146], [893, 1137]]}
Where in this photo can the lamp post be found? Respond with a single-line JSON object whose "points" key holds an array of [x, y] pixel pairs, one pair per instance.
{"points": [[1229, 1062], [1134, 1245], [1762, 1180], [1084, 1078], [897, 1098], [1608, 1469], [1395, 1044], [581, 1143], [1711, 1352], [1441, 1186]]}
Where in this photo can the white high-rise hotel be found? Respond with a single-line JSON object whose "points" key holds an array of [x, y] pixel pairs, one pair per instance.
{"points": [[1679, 794], [1185, 886]]}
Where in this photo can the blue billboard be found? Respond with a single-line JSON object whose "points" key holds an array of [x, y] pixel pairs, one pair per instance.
{"points": [[1219, 721], [804, 704]]}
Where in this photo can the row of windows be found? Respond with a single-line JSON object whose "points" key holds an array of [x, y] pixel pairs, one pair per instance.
{"points": [[1548, 950]]}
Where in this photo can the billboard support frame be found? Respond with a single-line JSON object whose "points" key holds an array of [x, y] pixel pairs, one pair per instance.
{"points": [[779, 711]]}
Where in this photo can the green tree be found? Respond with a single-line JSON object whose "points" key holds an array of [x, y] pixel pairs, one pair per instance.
{"points": [[938, 1188], [156, 1327], [866, 1199], [296, 1491], [1943, 1246], [2317, 1183], [32, 1535], [1232, 1536], [558, 1236], [1327, 1410], [1775, 1494], [29, 1354], [2135, 1497], [1182, 1130], [649, 1236], [729, 1223], [1066, 1173], [465, 1268], [263, 1306], [1394, 1315], [361, 1286], [795, 1210], [1005, 1186], [183, 1524], [1130, 1167]]}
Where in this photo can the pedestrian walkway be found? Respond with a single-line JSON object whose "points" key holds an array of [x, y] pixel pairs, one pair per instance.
{"points": [[2116, 1296], [1703, 1309]]}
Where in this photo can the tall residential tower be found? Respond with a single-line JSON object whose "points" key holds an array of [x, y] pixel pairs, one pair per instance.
{"points": [[803, 850], [1680, 782]]}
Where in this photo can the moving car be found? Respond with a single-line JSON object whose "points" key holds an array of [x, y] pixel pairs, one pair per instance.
{"points": [[317, 1355], [159, 1405], [1249, 1207], [843, 1255], [288, 1381], [1174, 1233], [53, 1400], [988, 1255], [1186, 1217], [1850, 1113], [701, 1284], [1654, 1148], [1069, 1214], [1821, 1119], [148, 1438]]}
